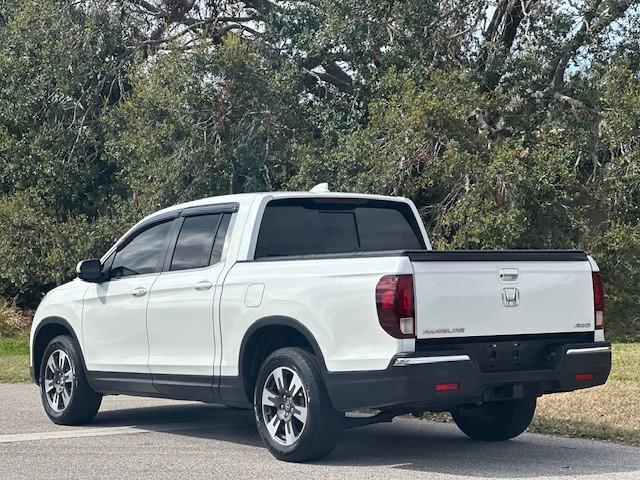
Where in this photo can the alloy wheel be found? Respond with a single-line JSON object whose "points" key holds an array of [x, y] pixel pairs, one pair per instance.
{"points": [[58, 380], [284, 405]]}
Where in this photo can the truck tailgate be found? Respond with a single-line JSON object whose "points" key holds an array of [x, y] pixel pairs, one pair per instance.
{"points": [[487, 293]]}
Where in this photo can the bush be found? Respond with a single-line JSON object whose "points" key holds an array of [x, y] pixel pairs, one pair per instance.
{"points": [[38, 252], [13, 321], [616, 252]]}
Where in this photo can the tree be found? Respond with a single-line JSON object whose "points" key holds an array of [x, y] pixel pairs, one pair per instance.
{"points": [[510, 123], [204, 122]]}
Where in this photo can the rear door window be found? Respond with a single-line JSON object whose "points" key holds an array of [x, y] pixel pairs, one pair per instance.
{"points": [[195, 244], [299, 227]]}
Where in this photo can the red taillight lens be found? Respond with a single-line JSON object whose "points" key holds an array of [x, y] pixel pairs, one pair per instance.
{"points": [[584, 377], [394, 301], [598, 300]]}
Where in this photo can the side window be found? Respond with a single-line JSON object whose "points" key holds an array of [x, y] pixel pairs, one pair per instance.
{"points": [[198, 242], [106, 265], [142, 254], [216, 255]]}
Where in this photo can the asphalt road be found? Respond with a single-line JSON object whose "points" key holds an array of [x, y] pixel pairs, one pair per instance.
{"points": [[135, 438]]}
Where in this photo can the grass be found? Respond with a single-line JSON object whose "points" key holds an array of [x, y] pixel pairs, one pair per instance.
{"points": [[14, 346], [14, 343], [609, 412], [14, 359]]}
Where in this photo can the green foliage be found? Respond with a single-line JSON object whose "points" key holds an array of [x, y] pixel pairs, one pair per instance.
{"points": [[510, 125], [203, 123], [38, 252], [56, 77], [616, 250]]}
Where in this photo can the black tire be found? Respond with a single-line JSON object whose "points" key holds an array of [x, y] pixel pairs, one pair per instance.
{"points": [[83, 403], [496, 421], [321, 431]]}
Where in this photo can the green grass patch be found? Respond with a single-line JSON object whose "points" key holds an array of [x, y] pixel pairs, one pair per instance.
{"points": [[14, 346], [14, 359], [609, 412], [14, 369]]}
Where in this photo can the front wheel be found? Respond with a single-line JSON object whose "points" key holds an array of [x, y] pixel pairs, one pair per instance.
{"points": [[496, 421], [294, 415], [66, 395]]}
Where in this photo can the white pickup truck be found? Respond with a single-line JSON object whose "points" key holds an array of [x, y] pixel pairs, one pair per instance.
{"points": [[308, 305]]}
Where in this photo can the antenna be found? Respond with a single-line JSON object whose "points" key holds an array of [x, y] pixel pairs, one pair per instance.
{"points": [[320, 188]]}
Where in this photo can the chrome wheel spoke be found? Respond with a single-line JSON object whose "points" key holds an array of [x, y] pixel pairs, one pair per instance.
{"points": [[300, 413], [61, 359], [66, 398], [278, 378], [268, 398], [289, 435], [48, 385], [273, 426], [51, 364], [295, 385], [68, 377]]}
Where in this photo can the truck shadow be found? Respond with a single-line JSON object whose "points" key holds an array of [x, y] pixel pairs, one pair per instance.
{"points": [[405, 444]]}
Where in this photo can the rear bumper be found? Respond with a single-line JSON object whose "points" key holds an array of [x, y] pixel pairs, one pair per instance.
{"points": [[411, 379]]}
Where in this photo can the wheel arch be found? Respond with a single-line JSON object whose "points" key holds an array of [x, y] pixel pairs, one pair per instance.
{"points": [[48, 329], [251, 356]]}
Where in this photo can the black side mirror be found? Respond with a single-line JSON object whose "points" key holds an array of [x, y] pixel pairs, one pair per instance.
{"points": [[90, 271]]}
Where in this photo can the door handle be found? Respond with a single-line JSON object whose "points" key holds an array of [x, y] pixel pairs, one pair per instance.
{"points": [[509, 275], [203, 285], [139, 292]]}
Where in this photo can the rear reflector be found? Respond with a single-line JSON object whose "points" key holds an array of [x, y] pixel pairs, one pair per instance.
{"points": [[584, 377], [447, 387], [598, 300]]}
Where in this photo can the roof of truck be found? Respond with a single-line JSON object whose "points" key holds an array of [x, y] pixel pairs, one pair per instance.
{"points": [[248, 198], [245, 200]]}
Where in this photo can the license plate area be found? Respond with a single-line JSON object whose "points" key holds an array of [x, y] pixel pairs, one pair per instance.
{"points": [[508, 353], [514, 355]]}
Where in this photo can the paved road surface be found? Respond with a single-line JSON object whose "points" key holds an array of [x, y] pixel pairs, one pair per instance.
{"points": [[134, 438]]}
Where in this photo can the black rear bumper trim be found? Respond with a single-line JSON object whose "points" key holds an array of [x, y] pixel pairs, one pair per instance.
{"points": [[414, 385]]}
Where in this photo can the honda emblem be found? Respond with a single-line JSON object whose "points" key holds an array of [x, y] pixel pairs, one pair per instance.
{"points": [[510, 297]]}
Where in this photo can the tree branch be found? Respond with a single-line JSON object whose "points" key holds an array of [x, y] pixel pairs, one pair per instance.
{"points": [[503, 27], [593, 23], [341, 85], [154, 40]]}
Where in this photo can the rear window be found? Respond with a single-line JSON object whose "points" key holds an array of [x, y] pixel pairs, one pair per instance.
{"points": [[294, 227]]}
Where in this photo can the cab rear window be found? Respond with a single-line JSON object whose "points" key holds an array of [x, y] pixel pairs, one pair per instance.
{"points": [[301, 226]]}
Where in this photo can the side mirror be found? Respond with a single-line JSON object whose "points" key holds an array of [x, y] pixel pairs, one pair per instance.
{"points": [[90, 270]]}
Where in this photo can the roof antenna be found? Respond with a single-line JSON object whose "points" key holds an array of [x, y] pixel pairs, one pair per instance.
{"points": [[320, 188]]}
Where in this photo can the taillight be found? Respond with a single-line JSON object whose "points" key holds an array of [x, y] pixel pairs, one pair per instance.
{"points": [[394, 300], [598, 300]]}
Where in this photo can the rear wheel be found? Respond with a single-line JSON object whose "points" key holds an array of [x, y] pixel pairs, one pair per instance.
{"points": [[65, 393], [294, 415], [496, 421]]}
